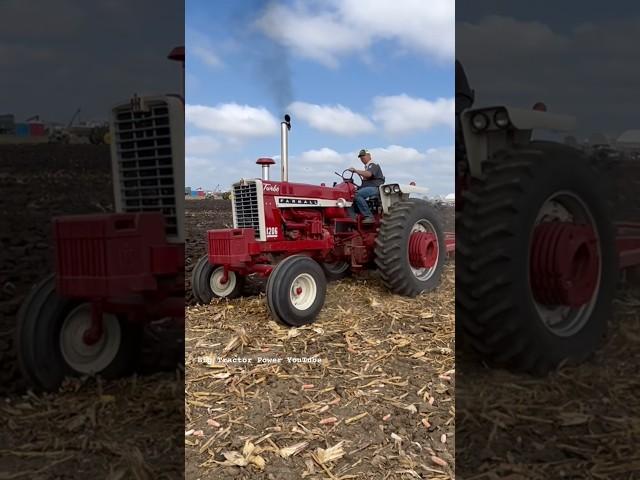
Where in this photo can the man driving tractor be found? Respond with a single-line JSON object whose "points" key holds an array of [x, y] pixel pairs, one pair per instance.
{"points": [[372, 178]]}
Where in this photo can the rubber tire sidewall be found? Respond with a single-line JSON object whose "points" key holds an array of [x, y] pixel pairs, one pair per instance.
{"points": [[555, 169], [279, 284], [551, 180], [421, 210], [39, 322], [332, 275], [201, 286]]}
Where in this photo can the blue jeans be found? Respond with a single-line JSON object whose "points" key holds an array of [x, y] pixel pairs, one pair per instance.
{"points": [[360, 201]]}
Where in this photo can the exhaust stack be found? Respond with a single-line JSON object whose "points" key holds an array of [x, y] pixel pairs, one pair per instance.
{"points": [[284, 148]]}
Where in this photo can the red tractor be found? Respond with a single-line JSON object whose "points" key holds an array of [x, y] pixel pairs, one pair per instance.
{"points": [[114, 273], [299, 236], [538, 257]]}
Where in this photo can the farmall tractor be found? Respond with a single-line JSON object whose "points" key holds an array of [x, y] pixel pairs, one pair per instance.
{"points": [[538, 256], [114, 273], [299, 236]]}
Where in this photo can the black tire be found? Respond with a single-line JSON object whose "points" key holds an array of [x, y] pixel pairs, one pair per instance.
{"points": [[201, 286], [392, 244], [39, 325], [336, 271], [495, 310], [279, 286]]}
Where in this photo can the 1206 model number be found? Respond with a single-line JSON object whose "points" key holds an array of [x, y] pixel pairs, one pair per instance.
{"points": [[272, 232]]}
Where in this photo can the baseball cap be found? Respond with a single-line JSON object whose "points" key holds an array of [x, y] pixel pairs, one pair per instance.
{"points": [[363, 152]]}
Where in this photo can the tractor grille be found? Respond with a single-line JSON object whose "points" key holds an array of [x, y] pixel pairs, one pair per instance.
{"points": [[82, 257], [145, 162], [245, 198]]}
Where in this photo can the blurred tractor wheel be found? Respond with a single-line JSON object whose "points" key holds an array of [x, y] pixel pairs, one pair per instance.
{"points": [[51, 346], [536, 259]]}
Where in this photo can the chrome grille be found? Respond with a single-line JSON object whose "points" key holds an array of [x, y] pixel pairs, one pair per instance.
{"points": [[245, 199], [145, 162]]}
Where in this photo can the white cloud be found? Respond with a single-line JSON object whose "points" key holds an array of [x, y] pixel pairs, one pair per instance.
{"points": [[232, 119], [201, 145], [339, 27], [432, 168], [335, 119], [207, 56], [403, 114], [316, 36], [324, 156], [201, 47], [423, 27]]}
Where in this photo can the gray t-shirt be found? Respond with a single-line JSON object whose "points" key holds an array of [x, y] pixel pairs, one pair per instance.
{"points": [[377, 178]]}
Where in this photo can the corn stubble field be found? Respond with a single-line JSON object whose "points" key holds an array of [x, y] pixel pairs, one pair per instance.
{"points": [[129, 428], [378, 405], [581, 422]]}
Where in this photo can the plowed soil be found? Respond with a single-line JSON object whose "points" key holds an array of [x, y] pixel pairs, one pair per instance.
{"points": [[376, 401], [130, 428]]}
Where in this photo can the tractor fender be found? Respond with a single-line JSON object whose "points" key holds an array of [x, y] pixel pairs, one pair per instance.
{"points": [[388, 199], [533, 119], [481, 145]]}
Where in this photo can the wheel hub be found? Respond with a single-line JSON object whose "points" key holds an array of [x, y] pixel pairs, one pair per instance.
{"points": [[88, 357], [222, 282], [303, 291], [564, 263], [423, 249]]}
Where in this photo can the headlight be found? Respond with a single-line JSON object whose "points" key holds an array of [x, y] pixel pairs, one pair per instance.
{"points": [[396, 189], [386, 189], [480, 121], [341, 202], [501, 118]]}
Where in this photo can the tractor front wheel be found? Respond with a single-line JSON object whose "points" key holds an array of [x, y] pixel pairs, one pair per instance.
{"points": [[208, 282], [336, 270], [51, 340], [296, 290], [410, 248]]}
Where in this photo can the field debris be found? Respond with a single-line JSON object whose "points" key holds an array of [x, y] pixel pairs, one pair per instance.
{"points": [[588, 411], [119, 429], [319, 401]]}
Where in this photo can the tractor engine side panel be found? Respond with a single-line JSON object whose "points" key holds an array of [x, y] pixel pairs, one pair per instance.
{"points": [[288, 208]]}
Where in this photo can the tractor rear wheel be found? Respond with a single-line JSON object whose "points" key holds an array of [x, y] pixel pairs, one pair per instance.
{"points": [[410, 248], [536, 260], [296, 290], [336, 271], [207, 282], [50, 343]]}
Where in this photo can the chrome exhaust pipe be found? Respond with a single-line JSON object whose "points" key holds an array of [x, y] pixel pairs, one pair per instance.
{"points": [[284, 148]]}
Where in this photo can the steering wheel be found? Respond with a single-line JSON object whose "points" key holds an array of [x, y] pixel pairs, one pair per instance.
{"points": [[349, 178]]}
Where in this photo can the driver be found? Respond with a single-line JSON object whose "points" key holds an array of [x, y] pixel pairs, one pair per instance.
{"points": [[372, 178]]}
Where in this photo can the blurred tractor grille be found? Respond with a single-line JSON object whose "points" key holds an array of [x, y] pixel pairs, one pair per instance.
{"points": [[145, 162], [84, 257], [245, 198]]}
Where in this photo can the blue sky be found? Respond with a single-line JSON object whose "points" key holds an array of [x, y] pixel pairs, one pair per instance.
{"points": [[379, 77]]}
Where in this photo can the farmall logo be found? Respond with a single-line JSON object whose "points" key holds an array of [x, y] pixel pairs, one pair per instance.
{"points": [[297, 201], [267, 187]]}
